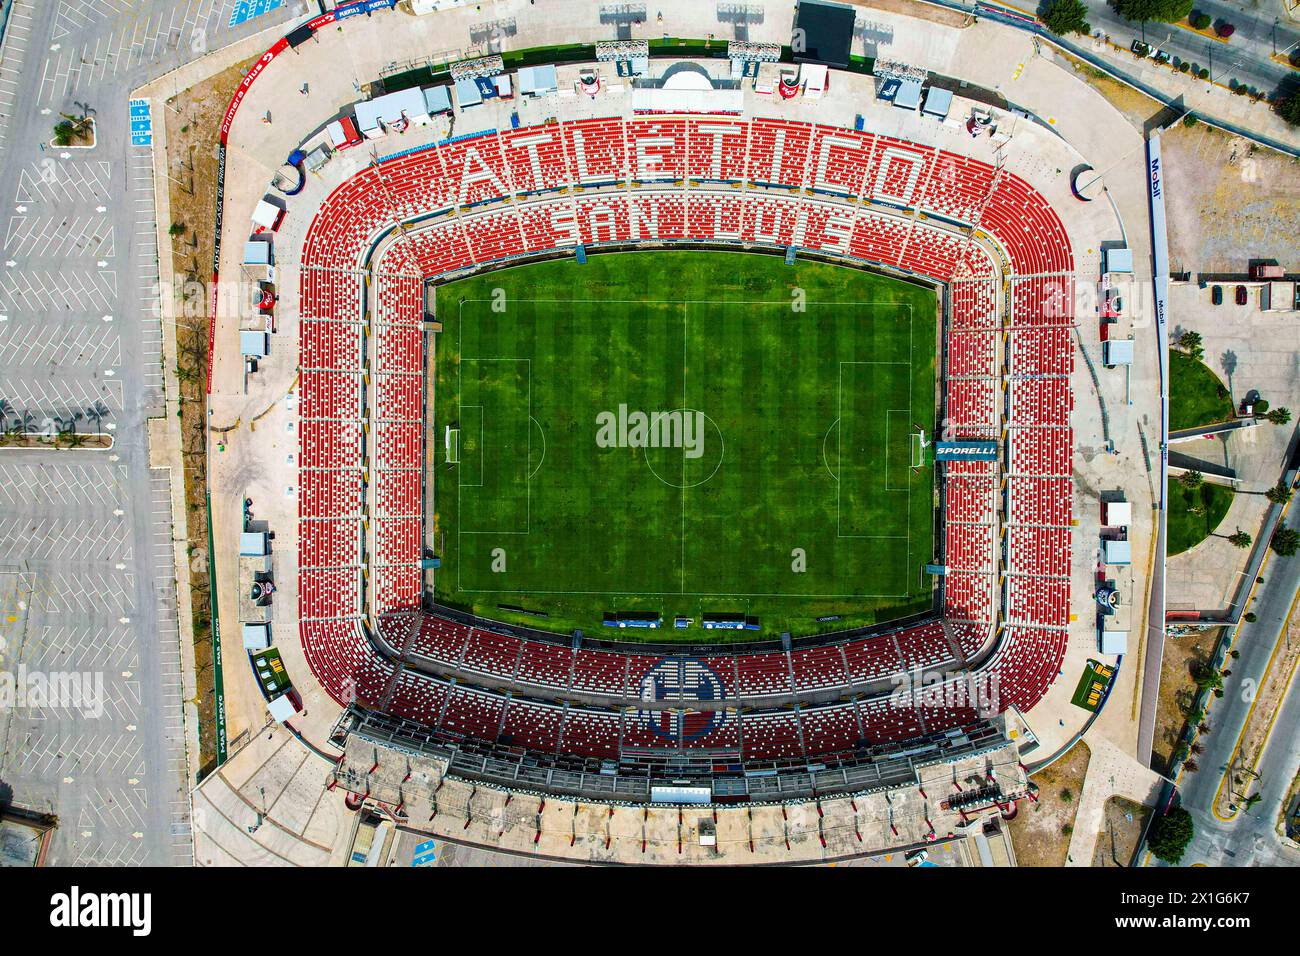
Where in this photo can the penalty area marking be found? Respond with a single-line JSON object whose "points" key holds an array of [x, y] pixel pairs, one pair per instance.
{"points": [[542, 434]]}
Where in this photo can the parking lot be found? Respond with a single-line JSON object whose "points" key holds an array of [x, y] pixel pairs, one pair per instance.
{"points": [[86, 535]]}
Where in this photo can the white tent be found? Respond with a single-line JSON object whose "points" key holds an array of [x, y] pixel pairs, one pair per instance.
{"points": [[1119, 514], [267, 215], [281, 708], [1117, 551], [254, 342], [257, 636], [254, 543], [1114, 643], [813, 76]]}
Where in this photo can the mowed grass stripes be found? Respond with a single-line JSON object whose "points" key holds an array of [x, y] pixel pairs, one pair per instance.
{"points": [[796, 496]]}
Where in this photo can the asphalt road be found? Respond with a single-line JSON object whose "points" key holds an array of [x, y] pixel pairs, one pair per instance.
{"points": [[86, 570], [1261, 29], [1250, 839]]}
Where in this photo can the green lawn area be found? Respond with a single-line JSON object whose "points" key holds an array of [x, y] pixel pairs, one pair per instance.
{"points": [[780, 484], [1187, 530], [1092, 685], [1196, 396]]}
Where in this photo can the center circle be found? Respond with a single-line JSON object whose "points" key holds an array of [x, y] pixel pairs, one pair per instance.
{"points": [[675, 469]]}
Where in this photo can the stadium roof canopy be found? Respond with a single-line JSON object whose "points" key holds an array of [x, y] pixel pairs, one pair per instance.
{"points": [[827, 32], [468, 93], [1117, 551], [536, 80], [391, 109], [1114, 643], [1118, 351], [437, 99], [937, 102], [908, 96]]}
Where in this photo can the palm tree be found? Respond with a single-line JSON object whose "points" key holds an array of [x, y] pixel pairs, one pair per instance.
{"points": [[1279, 494], [1191, 766], [1207, 677], [67, 427], [1286, 541], [97, 411]]}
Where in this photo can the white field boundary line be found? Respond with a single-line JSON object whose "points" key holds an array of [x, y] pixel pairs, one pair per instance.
{"points": [[685, 303]]}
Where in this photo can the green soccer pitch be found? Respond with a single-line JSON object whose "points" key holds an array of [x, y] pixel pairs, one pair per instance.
{"points": [[790, 484]]}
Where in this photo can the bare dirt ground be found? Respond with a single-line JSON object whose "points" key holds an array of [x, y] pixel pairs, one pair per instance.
{"points": [[1183, 653], [1120, 831], [1271, 692], [1041, 831], [922, 11], [193, 121], [1229, 201], [1136, 107]]}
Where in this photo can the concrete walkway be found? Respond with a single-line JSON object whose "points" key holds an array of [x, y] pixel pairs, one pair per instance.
{"points": [[1111, 773]]}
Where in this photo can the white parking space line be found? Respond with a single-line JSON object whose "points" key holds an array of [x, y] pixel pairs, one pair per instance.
{"points": [[57, 237], [82, 487], [18, 35], [48, 292], [80, 344], [56, 394], [50, 181]]}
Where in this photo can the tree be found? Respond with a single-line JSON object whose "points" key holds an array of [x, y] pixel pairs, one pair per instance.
{"points": [[1166, 11], [1191, 480], [1201, 21], [1170, 835], [1207, 678], [1190, 765], [1289, 109], [1240, 539], [1279, 494], [1286, 541], [1064, 17], [72, 128], [1191, 343], [1279, 416]]}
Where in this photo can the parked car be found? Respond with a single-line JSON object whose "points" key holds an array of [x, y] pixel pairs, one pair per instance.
{"points": [[1241, 295], [1216, 295]]}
